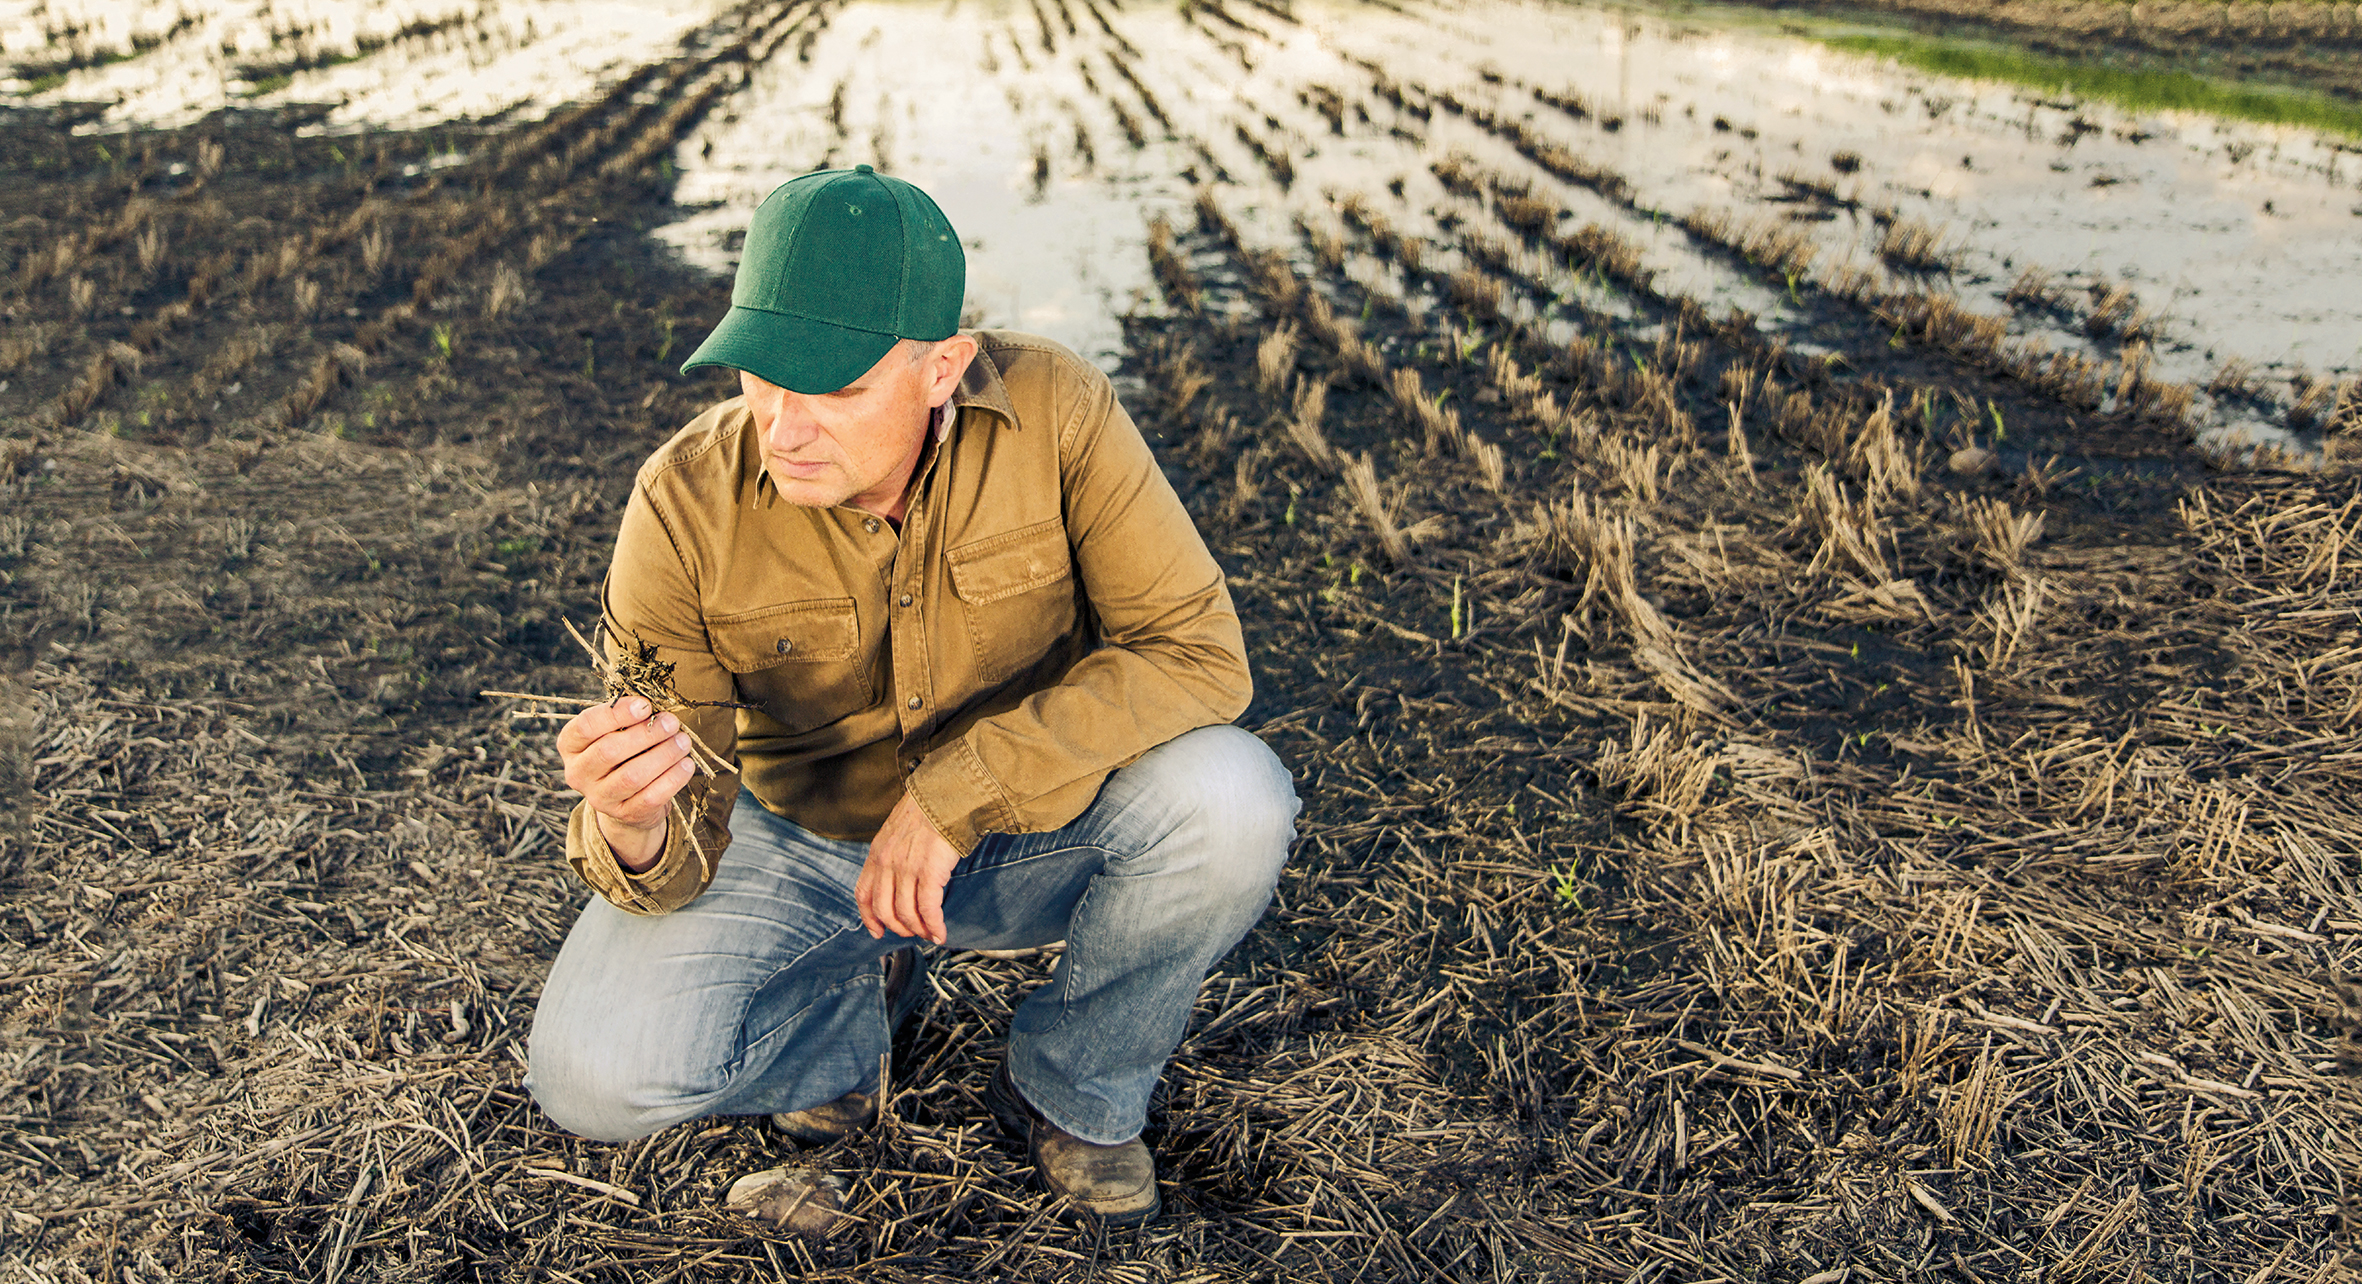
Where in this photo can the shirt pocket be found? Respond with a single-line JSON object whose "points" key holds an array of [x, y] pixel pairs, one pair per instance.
{"points": [[1017, 591], [801, 661]]}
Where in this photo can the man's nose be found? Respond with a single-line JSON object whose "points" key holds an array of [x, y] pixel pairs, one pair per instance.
{"points": [[789, 422]]}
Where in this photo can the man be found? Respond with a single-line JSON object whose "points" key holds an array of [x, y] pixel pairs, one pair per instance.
{"points": [[929, 596]]}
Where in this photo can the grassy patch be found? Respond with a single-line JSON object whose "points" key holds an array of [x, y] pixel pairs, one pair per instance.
{"points": [[2129, 87]]}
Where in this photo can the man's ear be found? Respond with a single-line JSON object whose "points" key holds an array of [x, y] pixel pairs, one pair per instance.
{"points": [[947, 364]]}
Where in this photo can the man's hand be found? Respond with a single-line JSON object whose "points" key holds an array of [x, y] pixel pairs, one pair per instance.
{"points": [[901, 885], [629, 766]]}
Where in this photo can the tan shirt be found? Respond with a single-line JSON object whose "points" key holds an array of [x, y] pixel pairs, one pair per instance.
{"points": [[1047, 614]]}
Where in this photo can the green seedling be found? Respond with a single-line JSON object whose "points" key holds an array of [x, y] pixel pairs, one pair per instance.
{"points": [[590, 359], [1455, 607], [664, 346], [1470, 345], [2000, 431], [442, 337], [1792, 295], [1354, 576], [1289, 517], [1565, 890]]}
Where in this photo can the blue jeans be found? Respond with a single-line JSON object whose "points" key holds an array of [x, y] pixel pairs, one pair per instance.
{"points": [[764, 993]]}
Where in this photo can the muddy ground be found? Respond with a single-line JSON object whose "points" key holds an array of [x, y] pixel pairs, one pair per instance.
{"points": [[1767, 817]]}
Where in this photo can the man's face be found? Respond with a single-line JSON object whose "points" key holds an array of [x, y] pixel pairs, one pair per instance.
{"points": [[855, 445]]}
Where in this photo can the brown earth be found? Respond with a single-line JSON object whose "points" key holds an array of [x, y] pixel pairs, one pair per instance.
{"points": [[1739, 843]]}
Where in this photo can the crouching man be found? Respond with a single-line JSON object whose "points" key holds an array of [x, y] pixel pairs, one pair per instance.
{"points": [[930, 596]]}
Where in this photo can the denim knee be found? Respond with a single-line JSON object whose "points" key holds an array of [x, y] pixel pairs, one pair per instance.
{"points": [[605, 1088], [1226, 783]]}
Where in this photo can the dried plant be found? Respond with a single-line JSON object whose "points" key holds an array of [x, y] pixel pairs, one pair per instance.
{"points": [[1912, 245], [151, 246], [506, 290], [1173, 276], [2000, 535], [1849, 535], [1660, 772], [1492, 467], [1304, 425], [1972, 1111], [1275, 358], [1361, 483]]}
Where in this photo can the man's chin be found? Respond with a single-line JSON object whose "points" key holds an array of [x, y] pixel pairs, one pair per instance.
{"points": [[820, 491]]}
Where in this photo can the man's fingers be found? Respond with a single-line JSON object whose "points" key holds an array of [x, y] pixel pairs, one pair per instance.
{"points": [[620, 762], [906, 903], [658, 795], [864, 891], [931, 911], [598, 720]]}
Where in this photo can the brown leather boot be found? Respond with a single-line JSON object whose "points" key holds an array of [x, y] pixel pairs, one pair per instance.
{"points": [[906, 987], [1116, 1184]]}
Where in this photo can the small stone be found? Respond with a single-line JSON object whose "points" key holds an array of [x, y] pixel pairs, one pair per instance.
{"points": [[803, 1201], [1973, 461]]}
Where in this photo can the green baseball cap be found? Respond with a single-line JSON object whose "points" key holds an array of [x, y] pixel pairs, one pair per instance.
{"points": [[839, 265]]}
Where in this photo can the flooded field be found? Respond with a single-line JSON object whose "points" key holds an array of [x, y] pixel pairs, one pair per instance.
{"points": [[2220, 248], [1826, 742]]}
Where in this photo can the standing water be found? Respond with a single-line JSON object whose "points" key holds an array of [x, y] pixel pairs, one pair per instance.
{"points": [[1050, 130]]}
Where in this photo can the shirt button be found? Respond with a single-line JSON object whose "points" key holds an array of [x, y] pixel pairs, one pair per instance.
{"points": [[912, 765], [913, 702], [906, 599], [870, 525]]}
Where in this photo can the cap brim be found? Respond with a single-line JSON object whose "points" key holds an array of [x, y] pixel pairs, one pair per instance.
{"points": [[796, 353]]}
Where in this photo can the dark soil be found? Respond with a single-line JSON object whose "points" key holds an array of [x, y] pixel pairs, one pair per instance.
{"points": [[1758, 854]]}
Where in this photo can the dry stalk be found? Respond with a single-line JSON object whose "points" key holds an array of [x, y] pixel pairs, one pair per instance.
{"points": [[1304, 425], [2010, 617], [1661, 771], [1491, 466], [1913, 246], [1275, 359], [1361, 482], [1850, 537], [1878, 457], [1999, 536], [2076, 1266], [1439, 426], [1923, 1044], [1971, 1112]]}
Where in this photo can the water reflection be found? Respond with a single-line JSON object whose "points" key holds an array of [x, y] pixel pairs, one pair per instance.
{"points": [[1049, 131]]}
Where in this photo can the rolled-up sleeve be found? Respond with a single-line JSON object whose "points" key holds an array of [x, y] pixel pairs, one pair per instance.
{"points": [[651, 600]]}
